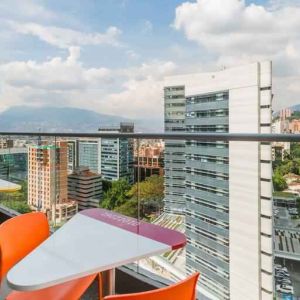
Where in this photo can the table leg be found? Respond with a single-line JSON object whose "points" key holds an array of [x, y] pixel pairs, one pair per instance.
{"points": [[112, 281]]}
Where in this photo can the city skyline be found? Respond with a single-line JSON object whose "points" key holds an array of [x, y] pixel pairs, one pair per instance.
{"points": [[110, 57], [85, 89]]}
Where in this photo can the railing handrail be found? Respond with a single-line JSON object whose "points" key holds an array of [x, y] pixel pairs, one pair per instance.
{"points": [[253, 137]]}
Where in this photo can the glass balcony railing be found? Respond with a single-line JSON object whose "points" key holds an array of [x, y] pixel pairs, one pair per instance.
{"points": [[236, 197]]}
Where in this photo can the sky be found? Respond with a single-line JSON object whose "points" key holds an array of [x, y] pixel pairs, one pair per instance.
{"points": [[111, 56]]}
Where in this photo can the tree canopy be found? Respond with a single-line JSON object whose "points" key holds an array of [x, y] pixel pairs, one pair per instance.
{"points": [[291, 162], [16, 200], [116, 195], [279, 182], [123, 198], [19, 206], [150, 193], [129, 208], [295, 115], [150, 189]]}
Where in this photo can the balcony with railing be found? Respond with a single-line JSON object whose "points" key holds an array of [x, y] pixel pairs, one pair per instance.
{"points": [[236, 223]]}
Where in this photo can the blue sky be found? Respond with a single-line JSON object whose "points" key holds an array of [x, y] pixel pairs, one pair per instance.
{"points": [[111, 55], [146, 30]]}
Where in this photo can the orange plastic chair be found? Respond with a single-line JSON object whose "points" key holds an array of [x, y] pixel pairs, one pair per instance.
{"points": [[184, 290], [18, 237]]}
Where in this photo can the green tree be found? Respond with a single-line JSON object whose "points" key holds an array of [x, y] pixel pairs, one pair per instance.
{"points": [[20, 195], [150, 193], [106, 185], [286, 155], [151, 188], [295, 168], [129, 208], [279, 182], [295, 115], [16, 200], [116, 195], [295, 151], [277, 164], [19, 206], [123, 198], [288, 166]]}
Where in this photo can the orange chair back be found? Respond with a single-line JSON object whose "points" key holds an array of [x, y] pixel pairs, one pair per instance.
{"points": [[19, 236], [184, 290]]}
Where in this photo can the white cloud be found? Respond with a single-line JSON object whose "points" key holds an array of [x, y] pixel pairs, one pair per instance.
{"points": [[230, 27], [155, 69], [142, 94], [147, 26], [239, 33], [66, 81], [25, 9], [275, 4], [65, 37], [132, 92], [55, 74], [139, 99], [132, 54]]}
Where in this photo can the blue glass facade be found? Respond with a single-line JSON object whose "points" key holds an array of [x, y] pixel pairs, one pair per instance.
{"points": [[207, 193], [174, 156]]}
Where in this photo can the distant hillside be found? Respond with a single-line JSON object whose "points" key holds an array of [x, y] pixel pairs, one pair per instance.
{"points": [[67, 119], [295, 107], [51, 119]]}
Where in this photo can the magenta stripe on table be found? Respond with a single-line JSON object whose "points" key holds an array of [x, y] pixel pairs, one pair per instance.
{"points": [[160, 234]]}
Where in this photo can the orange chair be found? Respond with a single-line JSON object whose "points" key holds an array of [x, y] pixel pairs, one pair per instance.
{"points": [[184, 290], [18, 237]]}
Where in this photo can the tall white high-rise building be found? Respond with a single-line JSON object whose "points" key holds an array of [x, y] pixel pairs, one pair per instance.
{"points": [[226, 186]]}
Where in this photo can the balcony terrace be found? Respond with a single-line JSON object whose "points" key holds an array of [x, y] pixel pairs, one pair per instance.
{"points": [[209, 241]]}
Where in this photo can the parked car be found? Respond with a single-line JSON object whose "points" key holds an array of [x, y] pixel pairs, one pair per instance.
{"points": [[287, 289], [282, 274], [293, 211], [286, 281], [283, 271]]}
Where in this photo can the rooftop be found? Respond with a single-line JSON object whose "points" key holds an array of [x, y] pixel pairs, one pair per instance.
{"points": [[84, 172]]}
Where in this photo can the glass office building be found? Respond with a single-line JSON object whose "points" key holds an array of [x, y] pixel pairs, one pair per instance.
{"points": [[224, 188], [112, 158], [13, 163], [117, 155], [89, 154], [174, 155]]}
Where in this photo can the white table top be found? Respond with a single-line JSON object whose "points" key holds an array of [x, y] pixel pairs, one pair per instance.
{"points": [[94, 240], [6, 186]]}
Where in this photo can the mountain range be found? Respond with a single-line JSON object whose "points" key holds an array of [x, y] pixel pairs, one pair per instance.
{"points": [[295, 107], [63, 119]]}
